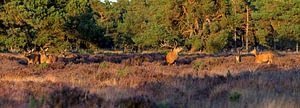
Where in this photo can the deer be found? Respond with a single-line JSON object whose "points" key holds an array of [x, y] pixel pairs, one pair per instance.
{"points": [[69, 56], [173, 55], [32, 57], [266, 57], [238, 56], [45, 58]]}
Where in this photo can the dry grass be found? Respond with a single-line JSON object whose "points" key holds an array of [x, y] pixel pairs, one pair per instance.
{"points": [[143, 80]]}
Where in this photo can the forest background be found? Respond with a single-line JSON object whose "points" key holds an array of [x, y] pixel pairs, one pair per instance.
{"points": [[210, 26]]}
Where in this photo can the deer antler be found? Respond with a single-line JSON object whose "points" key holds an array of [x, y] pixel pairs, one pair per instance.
{"points": [[176, 44], [30, 51], [165, 44]]}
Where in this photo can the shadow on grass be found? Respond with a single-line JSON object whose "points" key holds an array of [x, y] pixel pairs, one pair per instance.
{"points": [[259, 89]]}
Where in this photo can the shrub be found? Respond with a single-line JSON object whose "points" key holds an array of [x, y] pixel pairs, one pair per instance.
{"points": [[43, 66], [88, 51], [195, 43], [123, 72], [198, 65], [35, 103], [216, 42], [163, 104], [164, 52], [32, 102], [103, 65], [234, 97], [215, 27]]}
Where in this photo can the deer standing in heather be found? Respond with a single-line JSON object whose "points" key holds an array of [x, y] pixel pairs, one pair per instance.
{"points": [[238, 56], [266, 57]]}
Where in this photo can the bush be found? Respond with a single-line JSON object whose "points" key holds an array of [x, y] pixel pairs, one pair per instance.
{"points": [[198, 65], [195, 43], [88, 51], [165, 52], [43, 66], [215, 27], [103, 65], [234, 97], [261, 35], [216, 42], [35, 103], [123, 72]]}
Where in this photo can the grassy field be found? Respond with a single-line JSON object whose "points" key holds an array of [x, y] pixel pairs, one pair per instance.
{"points": [[145, 81]]}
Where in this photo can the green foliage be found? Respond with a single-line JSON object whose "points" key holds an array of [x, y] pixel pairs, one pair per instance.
{"points": [[123, 72], [195, 42], [42, 101], [153, 35], [165, 52], [54, 24], [235, 96], [85, 51], [163, 104], [103, 65], [215, 27], [32, 102], [137, 24], [283, 23], [261, 35], [43, 66], [198, 65], [4, 51], [36, 103], [217, 42]]}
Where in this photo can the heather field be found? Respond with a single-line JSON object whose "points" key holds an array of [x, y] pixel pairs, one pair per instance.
{"points": [[149, 54], [146, 81]]}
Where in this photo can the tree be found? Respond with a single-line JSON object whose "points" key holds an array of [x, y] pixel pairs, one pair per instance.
{"points": [[278, 20], [63, 24], [206, 25]]}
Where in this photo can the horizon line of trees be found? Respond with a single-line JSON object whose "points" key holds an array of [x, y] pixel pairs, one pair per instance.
{"points": [[135, 25]]}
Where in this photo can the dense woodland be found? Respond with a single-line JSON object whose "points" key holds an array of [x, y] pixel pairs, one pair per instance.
{"points": [[135, 25]]}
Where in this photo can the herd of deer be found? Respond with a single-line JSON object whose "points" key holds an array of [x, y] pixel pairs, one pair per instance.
{"points": [[38, 57], [263, 57]]}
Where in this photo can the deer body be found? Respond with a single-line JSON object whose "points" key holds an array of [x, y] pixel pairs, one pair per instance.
{"points": [[173, 55], [43, 58], [32, 58], [47, 58], [238, 58], [263, 57]]}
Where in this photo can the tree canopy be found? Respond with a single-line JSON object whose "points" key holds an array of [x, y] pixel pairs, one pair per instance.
{"points": [[206, 25]]}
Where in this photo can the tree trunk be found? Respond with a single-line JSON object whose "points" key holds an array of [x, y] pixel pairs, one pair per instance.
{"points": [[274, 43], [247, 28], [297, 47], [235, 36]]}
